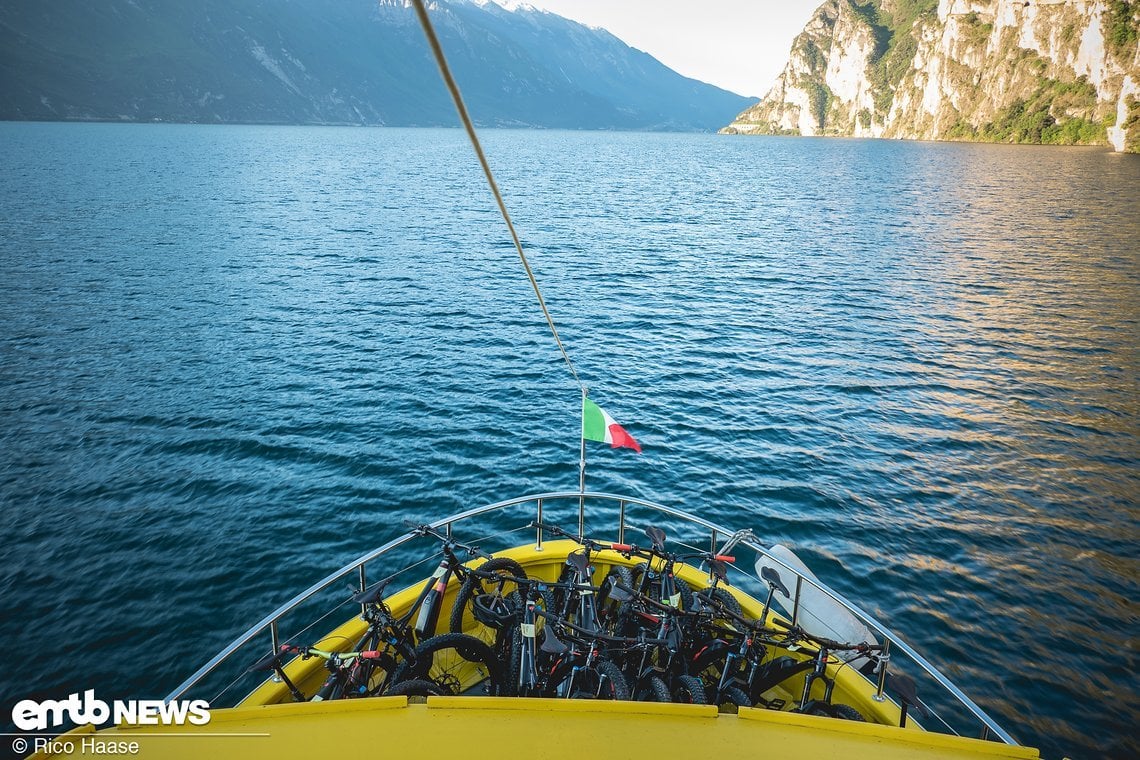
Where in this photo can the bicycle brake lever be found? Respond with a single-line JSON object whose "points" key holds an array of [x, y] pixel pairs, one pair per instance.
{"points": [[420, 529]]}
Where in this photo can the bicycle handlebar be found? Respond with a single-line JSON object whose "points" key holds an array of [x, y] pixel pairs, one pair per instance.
{"points": [[580, 540], [797, 631], [598, 635], [307, 652], [529, 582], [661, 606], [272, 661], [641, 551], [448, 542]]}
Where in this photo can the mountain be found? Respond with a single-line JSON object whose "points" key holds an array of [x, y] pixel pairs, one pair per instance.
{"points": [[1034, 71], [333, 62]]}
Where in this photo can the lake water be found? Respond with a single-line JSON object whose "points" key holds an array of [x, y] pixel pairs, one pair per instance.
{"points": [[233, 357]]}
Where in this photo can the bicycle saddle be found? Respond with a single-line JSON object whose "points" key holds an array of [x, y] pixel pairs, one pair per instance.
{"points": [[656, 537], [907, 690], [551, 644], [772, 577], [718, 568], [268, 662], [371, 595], [579, 561]]}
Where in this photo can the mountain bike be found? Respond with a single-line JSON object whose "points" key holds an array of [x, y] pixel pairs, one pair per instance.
{"points": [[641, 616], [656, 577], [430, 601], [391, 650], [579, 666], [347, 677], [574, 595], [730, 641], [816, 668]]}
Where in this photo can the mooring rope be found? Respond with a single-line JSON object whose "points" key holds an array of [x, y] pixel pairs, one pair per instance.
{"points": [[457, 98]]}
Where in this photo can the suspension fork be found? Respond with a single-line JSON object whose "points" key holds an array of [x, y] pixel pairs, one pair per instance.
{"points": [[587, 608], [585, 663], [818, 672], [335, 683], [528, 660], [729, 660]]}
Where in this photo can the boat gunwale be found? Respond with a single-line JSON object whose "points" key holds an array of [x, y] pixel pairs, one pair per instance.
{"points": [[357, 566]]}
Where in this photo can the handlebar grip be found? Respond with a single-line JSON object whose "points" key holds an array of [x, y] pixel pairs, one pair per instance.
{"points": [[725, 558], [621, 547], [268, 662]]}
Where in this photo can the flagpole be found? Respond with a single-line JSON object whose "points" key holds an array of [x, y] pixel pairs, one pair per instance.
{"points": [[582, 472]]}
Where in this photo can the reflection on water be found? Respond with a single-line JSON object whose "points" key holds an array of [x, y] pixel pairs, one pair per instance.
{"points": [[234, 357]]}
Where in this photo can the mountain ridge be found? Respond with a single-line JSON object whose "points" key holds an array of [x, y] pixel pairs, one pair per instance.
{"points": [[334, 62]]}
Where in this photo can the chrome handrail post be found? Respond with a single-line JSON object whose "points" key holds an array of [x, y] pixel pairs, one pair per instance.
{"points": [[538, 531], [363, 583], [276, 644], [712, 550], [621, 521], [881, 669], [796, 602]]}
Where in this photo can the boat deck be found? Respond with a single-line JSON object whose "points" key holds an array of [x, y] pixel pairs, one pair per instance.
{"points": [[492, 727]]}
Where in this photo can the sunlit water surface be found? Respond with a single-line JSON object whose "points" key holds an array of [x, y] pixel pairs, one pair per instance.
{"points": [[234, 357]]}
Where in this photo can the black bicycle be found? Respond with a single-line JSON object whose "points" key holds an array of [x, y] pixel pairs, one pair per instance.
{"points": [[579, 666]]}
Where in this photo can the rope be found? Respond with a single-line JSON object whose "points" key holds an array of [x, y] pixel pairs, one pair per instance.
{"points": [[457, 98]]}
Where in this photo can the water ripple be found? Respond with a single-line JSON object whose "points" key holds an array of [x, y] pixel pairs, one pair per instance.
{"points": [[233, 358]]}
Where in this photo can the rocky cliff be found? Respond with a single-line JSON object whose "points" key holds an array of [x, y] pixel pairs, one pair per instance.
{"points": [[1037, 71]]}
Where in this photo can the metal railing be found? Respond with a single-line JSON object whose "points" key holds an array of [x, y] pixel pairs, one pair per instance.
{"points": [[357, 569]]}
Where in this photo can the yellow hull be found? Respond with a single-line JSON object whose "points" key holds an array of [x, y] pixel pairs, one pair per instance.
{"points": [[553, 729], [269, 724]]}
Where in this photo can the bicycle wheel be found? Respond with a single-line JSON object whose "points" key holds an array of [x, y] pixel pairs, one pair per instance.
{"points": [[602, 680], [652, 689], [686, 592], [733, 695], [456, 662], [728, 600], [847, 712], [689, 690], [416, 688], [462, 619]]}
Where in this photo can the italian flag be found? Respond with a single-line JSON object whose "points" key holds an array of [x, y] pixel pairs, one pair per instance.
{"points": [[599, 426]]}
